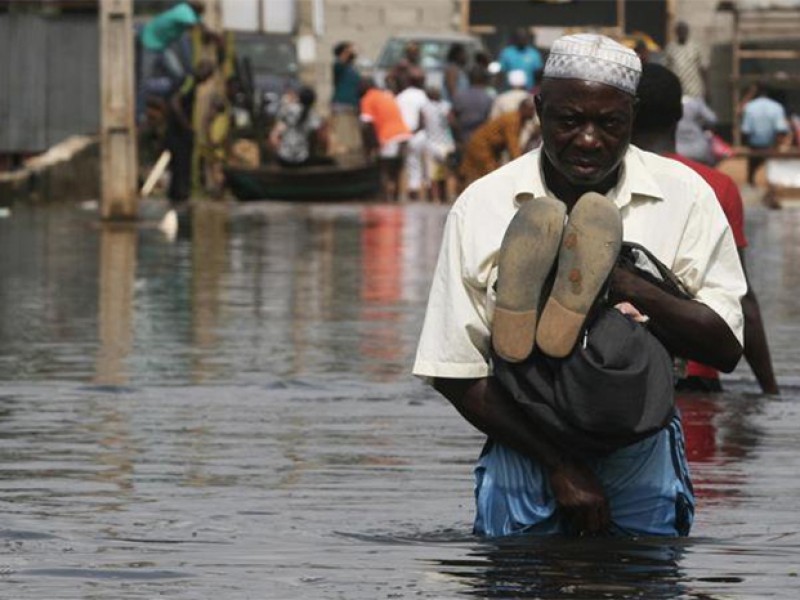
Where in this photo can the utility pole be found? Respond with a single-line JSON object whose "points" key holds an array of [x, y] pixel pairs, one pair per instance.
{"points": [[117, 107]]}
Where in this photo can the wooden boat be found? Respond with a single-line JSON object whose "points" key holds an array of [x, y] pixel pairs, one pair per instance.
{"points": [[342, 180], [353, 174]]}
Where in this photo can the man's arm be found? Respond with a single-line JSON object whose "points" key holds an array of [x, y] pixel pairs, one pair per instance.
{"points": [[485, 404], [687, 328], [756, 349]]}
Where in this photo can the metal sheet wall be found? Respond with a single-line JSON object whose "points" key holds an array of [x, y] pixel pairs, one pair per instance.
{"points": [[49, 86]]}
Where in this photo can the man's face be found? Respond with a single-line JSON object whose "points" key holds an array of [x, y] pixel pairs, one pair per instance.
{"points": [[586, 128]]}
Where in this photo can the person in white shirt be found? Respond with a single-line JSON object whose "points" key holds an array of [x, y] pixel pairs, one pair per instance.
{"points": [[439, 142], [411, 100], [509, 100], [525, 481]]}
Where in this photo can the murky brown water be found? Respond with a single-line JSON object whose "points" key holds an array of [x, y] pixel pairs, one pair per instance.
{"points": [[230, 415]]}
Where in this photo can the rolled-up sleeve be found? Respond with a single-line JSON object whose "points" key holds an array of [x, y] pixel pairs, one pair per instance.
{"points": [[708, 263], [455, 332]]}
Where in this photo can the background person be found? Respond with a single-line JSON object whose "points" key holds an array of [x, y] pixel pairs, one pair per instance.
{"points": [[381, 114], [520, 54], [158, 53], [764, 126], [509, 100], [682, 56], [299, 136], [494, 139], [455, 71], [345, 78], [471, 107], [160, 33], [179, 136], [439, 142], [397, 77], [693, 136], [411, 101], [657, 121]]}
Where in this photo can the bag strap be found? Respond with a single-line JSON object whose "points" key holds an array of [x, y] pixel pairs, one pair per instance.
{"points": [[665, 278]]}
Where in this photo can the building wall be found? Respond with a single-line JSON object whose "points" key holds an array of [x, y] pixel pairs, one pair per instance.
{"points": [[367, 23], [49, 86]]}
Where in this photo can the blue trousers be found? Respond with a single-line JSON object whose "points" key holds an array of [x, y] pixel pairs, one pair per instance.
{"points": [[647, 485]]}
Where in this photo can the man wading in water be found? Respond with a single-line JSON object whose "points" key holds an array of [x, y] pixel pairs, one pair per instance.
{"points": [[527, 479]]}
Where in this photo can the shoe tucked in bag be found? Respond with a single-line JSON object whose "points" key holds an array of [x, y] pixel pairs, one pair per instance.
{"points": [[615, 387]]}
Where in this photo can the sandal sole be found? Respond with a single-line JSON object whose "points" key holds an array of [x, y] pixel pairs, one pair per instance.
{"points": [[527, 255], [589, 249]]}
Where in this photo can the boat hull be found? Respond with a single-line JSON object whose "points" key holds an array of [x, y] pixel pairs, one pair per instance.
{"points": [[328, 182]]}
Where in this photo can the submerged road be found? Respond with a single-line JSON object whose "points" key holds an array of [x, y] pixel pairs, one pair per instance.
{"points": [[231, 415]]}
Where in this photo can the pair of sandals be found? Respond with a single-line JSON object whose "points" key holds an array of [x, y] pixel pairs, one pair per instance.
{"points": [[582, 252]]}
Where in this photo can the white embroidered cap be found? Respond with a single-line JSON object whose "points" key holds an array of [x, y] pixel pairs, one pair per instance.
{"points": [[594, 57]]}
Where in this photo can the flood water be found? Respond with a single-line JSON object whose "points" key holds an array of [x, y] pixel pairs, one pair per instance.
{"points": [[230, 415]]}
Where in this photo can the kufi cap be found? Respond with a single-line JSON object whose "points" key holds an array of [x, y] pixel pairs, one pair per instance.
{"points": [[517, 78], [594, 57]]}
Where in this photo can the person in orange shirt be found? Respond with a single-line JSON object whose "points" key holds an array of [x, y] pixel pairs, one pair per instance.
{"points": [[379, 108]]}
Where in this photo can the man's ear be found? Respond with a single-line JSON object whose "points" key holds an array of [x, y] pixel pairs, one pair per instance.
{"points": [[635, 108], [537, 102]]}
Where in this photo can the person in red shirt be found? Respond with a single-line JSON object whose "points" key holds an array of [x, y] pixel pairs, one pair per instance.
{"points": [[380, 110], [659, 110]]}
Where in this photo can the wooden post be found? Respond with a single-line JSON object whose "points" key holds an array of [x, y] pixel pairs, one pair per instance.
{"points": [[465, 16], [117, 108], [621, 17]]}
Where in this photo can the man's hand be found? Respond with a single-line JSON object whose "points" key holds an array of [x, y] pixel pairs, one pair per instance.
{"points": [[485, 404], [580, 498], [687, 328], [623, 285]]}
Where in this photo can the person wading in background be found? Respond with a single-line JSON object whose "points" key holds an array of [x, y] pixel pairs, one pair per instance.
{"points": [[179, 138], [657, 119]]}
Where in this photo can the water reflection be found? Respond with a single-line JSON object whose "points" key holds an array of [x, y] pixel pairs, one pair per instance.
{"points": [[209, 239], [381, 288], [115, 303], [720, 434]]}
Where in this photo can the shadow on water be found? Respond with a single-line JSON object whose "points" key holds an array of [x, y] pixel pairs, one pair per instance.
{"points": [[579, 569]]}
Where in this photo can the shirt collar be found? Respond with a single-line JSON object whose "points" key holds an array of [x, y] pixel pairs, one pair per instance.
{"points": [[635, 180]]}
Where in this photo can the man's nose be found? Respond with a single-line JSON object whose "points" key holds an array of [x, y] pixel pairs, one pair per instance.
{"points": [[589, 138]]}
